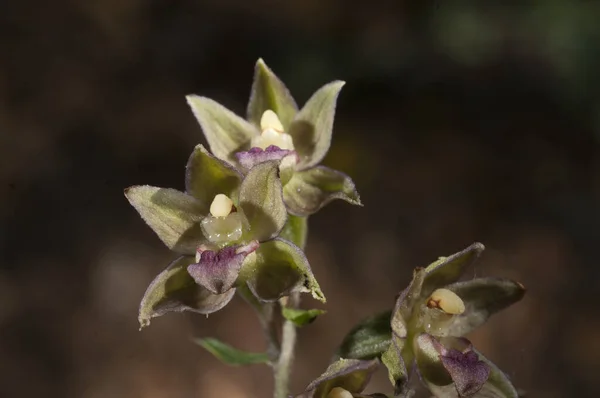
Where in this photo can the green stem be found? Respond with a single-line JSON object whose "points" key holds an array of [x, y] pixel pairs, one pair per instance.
{"points": [[265, 314], [295, 231]]}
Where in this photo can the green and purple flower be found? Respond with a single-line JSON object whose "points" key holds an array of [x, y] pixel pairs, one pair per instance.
{"points": [[276, 129]]}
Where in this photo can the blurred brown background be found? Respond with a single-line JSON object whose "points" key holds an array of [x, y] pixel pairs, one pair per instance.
{"points": [[459, 122]]}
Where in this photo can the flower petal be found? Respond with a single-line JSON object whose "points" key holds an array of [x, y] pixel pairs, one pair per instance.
{"points": [[427, 352], [310, 190], [207, 176], [253, 156], [483, 297], [313, 125], [278, 268], [468, 373], [174, 290], [349, 374], [225, 131], [174, 216], [268, 92], [261, 200], [218, 271], [448, 270]]}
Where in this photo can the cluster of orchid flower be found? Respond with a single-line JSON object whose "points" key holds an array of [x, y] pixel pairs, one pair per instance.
{"points": [[240, 226]]}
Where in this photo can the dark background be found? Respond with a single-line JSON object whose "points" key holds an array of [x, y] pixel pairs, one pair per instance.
{"points": [[459, 123]]}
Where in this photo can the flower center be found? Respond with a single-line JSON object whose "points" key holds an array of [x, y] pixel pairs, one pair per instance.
{"points": [[272, 133], [447, 301], [224, 224], [339, 392]]}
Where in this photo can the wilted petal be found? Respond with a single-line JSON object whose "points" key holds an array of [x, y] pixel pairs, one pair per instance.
{"points": [[252, 157], [350, 374], [311, 189], [174, 216], [207, 176], [467, 371], [218, 270], [483, 297], [268, 92], [313, 125], [448, 270], [261, 200], [276, 269], [174, 290], [225, 131]]}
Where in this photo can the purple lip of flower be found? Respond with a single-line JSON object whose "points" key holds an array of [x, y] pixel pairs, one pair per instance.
{"points": [[254, 156], [467, 371], [217, 271]]}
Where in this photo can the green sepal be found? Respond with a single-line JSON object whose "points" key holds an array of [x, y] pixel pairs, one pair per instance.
{"points": [[309, 190], [301, 317], [261, 200], [393, 360], [278, 268], [174, 216], [483, 297], [269, 92], [174, 290], [226, 132], [312, 127], [369, 339], [229, 355], [207, 176], [447, 270]]}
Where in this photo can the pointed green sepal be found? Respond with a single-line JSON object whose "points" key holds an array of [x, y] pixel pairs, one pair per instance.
{"points": [[351, 375], [226, 132], [448, 270], [309, 190], [207, 176], [174, 290], [229, 355], [313, 125], [483, 297], [174, 216], [269, 92], [278, 268]]}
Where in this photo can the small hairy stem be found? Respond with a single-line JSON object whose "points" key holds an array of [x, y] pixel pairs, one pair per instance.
{"points": [[283, 368], [265, 314]]}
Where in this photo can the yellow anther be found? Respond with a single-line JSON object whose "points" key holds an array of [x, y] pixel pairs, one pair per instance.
{"points": [[447, 301], [221, 206], [270, 121]]}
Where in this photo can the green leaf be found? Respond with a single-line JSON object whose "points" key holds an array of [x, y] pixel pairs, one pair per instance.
{"points": [[269, 92], [295, 230], [313, 125], [349, 374], [483, 297], [261, 201], [174, 216], [369, 339], [310, 190], [448, 270], [229, 355], [301, 317], [278, 268], [174, 290], [207, 176], [225, 131]]}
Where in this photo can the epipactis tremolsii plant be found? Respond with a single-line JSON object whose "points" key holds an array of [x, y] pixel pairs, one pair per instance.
{"points": [[241, 225]]}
